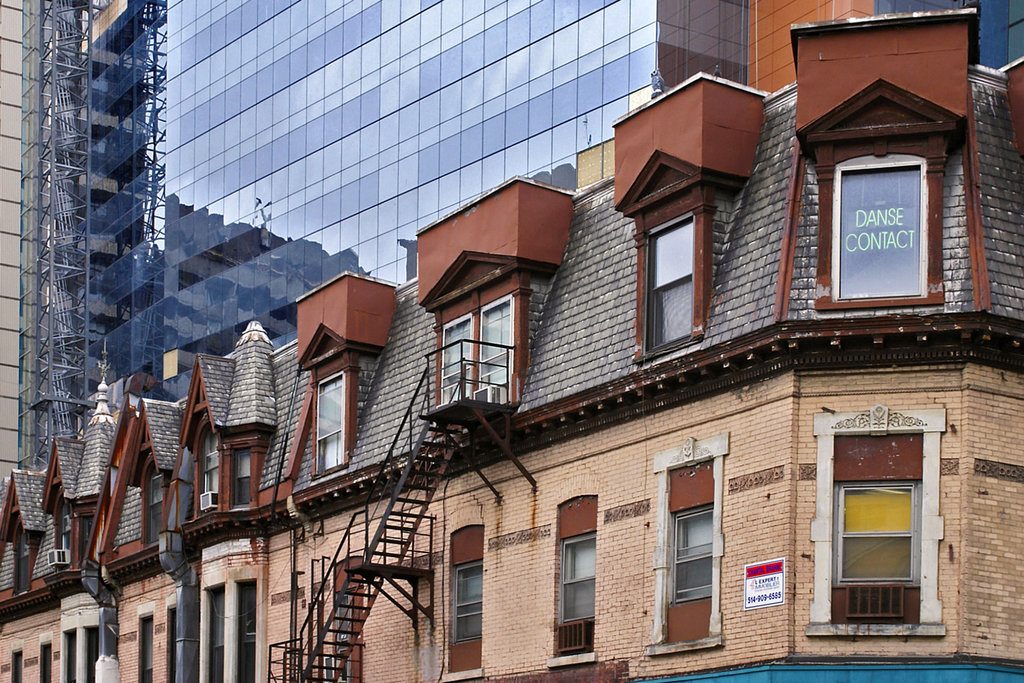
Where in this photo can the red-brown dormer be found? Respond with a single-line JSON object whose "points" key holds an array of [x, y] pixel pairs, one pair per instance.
{"points": [[672, 157], [479, 270], [342, 327]]}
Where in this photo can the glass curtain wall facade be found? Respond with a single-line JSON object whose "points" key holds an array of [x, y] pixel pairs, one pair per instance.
{"points": [[308, 137]]}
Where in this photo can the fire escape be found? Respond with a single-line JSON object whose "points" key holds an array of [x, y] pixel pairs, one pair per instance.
{"points": [[460, 401], [54, 220]]}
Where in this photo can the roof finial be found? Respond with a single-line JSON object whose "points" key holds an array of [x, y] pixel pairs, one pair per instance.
{"points": [[102, 412]]}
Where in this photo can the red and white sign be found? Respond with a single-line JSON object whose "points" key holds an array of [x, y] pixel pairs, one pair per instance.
{"points": [[764, 584]]}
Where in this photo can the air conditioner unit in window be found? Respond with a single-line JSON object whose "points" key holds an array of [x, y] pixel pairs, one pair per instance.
{"points": [[490, 394], [59, 557], [208, 500]]}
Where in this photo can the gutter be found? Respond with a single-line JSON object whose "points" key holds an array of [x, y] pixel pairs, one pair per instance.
{"points": [[186, 583]]}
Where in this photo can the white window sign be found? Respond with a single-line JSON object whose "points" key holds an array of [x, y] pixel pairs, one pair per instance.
{"points": [[764, 584]]}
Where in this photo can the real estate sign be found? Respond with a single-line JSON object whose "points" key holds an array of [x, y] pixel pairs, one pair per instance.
{"points": [[764, 584]]}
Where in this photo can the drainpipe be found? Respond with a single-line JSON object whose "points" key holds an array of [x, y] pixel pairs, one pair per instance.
{"points": [[107, 669], [186, 584]]}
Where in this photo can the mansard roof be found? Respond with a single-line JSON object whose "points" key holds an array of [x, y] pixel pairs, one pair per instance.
{"points": [[69, 459], [28, 487]]}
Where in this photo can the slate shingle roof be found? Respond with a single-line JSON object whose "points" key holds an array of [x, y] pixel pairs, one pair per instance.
{"points": [[28, 487], [69, 459], [99, 437], [129, 526], [1000, 171], [290, 384], [217, 375], [586, 333], [164, 424], [252, 388], [42, 566]]}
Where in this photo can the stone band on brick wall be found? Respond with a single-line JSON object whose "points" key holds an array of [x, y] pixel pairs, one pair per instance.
{"points": [[627, 511], [519, 537], [999, 470], [755, 479]]}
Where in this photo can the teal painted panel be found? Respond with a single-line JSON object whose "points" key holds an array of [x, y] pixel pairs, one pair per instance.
{"points": [[851, 673]]}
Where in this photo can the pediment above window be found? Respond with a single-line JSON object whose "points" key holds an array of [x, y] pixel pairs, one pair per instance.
{"points": [[472, 271], [883, 111]]}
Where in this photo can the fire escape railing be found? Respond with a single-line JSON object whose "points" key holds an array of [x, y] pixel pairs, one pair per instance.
{"points": [[473, 370]]}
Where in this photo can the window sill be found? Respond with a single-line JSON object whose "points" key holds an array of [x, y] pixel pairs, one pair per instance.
{"points": [[572, 660], [667, 348], [331, 470], [920, 630], [685, 646], [829, 304], [467, 675]]}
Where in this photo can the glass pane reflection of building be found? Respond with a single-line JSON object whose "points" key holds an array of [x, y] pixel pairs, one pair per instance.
{"points": [[305, 138]]}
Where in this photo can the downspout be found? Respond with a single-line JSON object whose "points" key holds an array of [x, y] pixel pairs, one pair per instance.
{"points": [[186, 583]]}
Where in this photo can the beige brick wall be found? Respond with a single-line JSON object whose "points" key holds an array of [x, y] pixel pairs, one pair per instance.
{"points": [[26, 634], [149, 597], [770, 424]]}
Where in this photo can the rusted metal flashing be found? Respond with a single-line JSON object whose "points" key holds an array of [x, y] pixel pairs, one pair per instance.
{"points": [[788, 248], [975, 228]]}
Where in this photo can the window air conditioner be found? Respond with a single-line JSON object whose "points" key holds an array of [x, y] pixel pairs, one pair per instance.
{"points": [[490, 394], [208, 500], [59, 557]]}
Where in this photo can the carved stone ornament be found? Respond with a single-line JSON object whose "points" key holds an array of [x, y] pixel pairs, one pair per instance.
{"points": [[858, 421], [901, 420], [879, 419], [687, 450]]}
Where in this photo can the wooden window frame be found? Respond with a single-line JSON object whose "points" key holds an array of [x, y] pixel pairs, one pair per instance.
{"points": [[150, 534], [694, 202], [236, 476], [337, 382]]}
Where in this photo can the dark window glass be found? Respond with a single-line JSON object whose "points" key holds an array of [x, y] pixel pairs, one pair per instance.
{"points": [[45, 663], [172, 647], [64, 527], [215, 661], [247, 632], [69, 657], [92, 653], [243, 477], [154, 507], [84, 530], [146, 650], [22, 576], [469, 582], [16, 667], [879, 240], [670, 298]]}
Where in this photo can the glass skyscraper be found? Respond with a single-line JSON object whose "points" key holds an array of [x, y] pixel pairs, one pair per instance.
{"points": [[308, 137]]}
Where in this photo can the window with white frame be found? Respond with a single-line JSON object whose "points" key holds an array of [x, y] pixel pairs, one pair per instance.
{"points": [[455, 372], [211, 464], [579, 572], [876, 532], [330, 424], [496, 352], [670, 283], [469, 584], [689, 548], [877, 527], [879, 250], [692, 565]]}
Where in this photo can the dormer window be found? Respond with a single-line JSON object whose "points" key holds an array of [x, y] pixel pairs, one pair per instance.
{"points": [[64, 527], [22, 563], [211, 464], [154, 508], [670, 288], [881, 246], [243, 478], [330, 424], [476, 363]]}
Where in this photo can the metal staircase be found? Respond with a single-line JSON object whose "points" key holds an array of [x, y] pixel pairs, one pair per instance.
{"points": [[387, 547], [384, 545]]}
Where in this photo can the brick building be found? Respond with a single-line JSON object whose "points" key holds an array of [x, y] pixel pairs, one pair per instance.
{"points": [[752, 409]]}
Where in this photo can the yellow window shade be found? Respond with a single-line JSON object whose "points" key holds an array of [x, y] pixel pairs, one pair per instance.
{"points": [[878, 510]]}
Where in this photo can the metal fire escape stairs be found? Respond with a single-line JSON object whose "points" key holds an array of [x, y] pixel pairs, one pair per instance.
{"points": [[387, 547]]}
